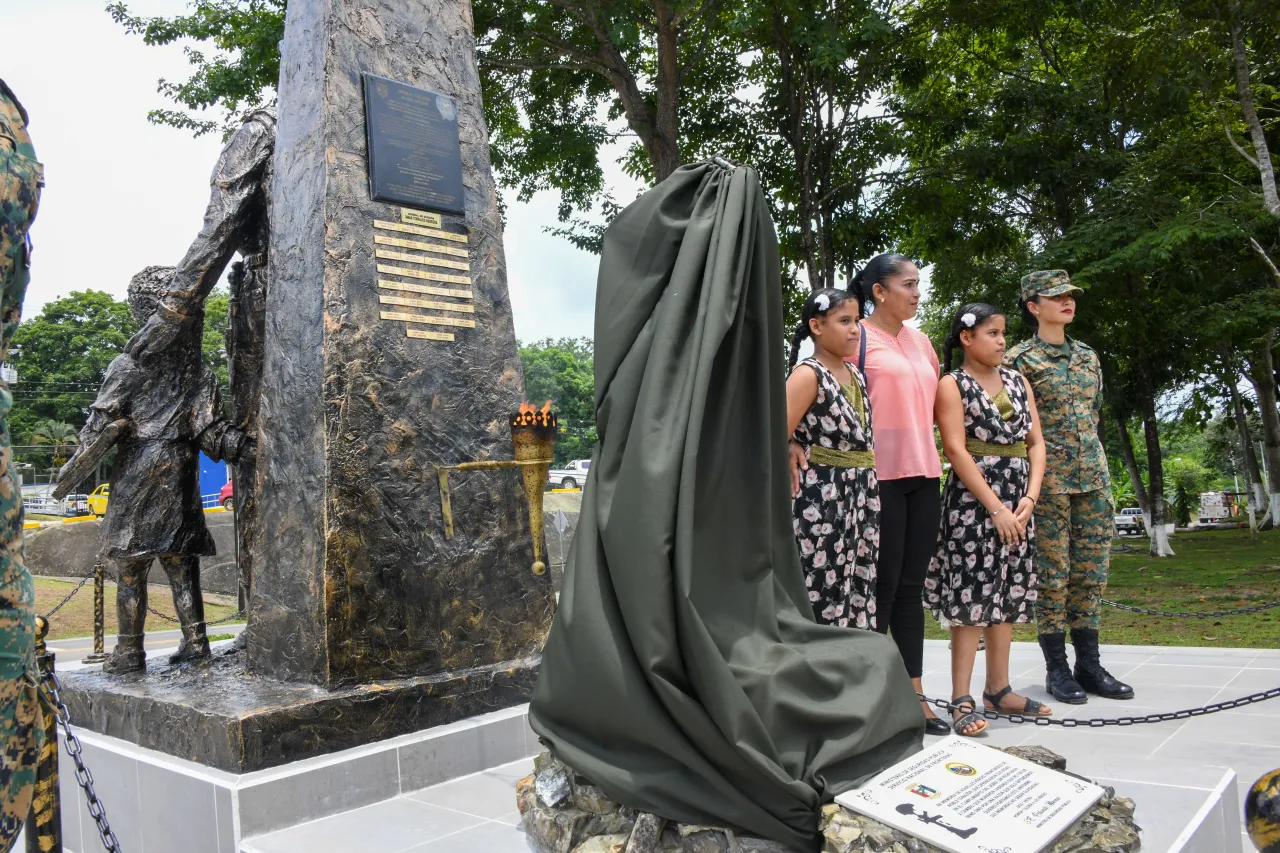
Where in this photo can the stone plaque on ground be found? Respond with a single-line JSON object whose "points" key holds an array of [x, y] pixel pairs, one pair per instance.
{"points": [[412, 137], [964, 797]]}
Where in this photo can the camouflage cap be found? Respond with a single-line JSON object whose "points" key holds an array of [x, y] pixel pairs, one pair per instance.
{"points": [[1047, 283]]}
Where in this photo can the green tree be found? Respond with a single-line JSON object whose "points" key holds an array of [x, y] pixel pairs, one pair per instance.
{"points": [[61, 356], [59, 437], [241, 72], [563, 372], [217, 316]]}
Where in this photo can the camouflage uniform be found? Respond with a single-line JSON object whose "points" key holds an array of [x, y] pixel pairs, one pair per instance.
{"points": [[21, 178], [1074, 514], [1074, 519]]}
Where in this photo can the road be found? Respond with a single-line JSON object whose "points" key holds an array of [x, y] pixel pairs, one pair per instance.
{"points": [[70, 651]]}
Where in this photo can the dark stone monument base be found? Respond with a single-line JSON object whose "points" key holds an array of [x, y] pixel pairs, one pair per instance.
{"points": [[216, 714]]}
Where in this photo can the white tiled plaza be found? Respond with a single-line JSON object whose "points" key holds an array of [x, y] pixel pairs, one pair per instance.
{"points": [[1179, 773]]}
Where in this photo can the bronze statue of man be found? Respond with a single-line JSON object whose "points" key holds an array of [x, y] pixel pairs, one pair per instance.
{"points": [[237, 219], [160, 410]]}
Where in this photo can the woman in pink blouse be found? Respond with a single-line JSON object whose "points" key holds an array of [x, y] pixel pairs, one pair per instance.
{"points": [[902, 376]]}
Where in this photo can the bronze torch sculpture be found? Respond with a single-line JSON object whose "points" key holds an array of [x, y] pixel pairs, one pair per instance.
{"points": [[533, 436]]}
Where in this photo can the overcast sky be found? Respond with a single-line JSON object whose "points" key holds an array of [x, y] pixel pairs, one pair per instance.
{"points": [[123, 193]]}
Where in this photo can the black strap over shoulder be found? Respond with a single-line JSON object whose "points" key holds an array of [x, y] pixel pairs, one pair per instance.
{"points": [[862, 353]]}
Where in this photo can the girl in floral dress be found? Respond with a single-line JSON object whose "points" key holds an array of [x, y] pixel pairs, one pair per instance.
{"points": [[982, 579], [837, 502]]}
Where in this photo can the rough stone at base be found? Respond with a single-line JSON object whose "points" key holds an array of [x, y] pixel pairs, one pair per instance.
{"points": [[564, 813]]}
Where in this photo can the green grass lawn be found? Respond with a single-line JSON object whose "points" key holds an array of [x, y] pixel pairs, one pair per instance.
{"points": [[1213, 570]]}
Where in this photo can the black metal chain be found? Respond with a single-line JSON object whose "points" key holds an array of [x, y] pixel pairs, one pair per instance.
{"points": [[1102, 722], [70, 596], [97, 810], [1208, 614], [239, 614]]}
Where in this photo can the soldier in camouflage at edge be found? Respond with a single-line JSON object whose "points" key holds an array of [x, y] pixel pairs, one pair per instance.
{"points": [[21, 178], [1074, 520]]}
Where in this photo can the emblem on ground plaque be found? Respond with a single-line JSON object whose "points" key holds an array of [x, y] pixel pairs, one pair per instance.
{"points": [[968, 798], [414, 155]]}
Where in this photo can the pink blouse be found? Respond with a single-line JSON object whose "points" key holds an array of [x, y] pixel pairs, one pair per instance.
{"points": [[902, 377]]}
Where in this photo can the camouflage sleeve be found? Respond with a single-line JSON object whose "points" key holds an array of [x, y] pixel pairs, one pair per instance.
{"points": [[233, 186]]}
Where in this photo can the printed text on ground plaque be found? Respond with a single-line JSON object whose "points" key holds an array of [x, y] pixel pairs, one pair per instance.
{"points": [[968, 798]]}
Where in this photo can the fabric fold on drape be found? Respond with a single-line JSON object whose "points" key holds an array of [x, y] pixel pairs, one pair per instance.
{"points": [[684, 674]]}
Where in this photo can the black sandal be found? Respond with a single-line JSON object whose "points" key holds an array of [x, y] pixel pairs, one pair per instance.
{"points": [[970, 717], [1030, 706]]}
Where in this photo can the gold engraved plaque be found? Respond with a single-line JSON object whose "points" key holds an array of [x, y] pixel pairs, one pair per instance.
{"points": [[455, 307], [429, 336], [422, 288], [414, 229], [439, 249], [387, 254], [428, 318], [418, 217], [427, 274]]}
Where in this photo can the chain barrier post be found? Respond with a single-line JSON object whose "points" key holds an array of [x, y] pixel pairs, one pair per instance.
{"points": [[99, 615], [44, 821]]}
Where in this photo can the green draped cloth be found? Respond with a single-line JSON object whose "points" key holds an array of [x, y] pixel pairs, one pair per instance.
{"points": [[684, 674]]}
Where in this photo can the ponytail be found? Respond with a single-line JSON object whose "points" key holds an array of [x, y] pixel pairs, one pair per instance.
{"points": [[817, 304], [801, 332]]}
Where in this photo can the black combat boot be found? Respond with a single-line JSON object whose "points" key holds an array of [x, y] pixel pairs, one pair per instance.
{"points": [[1089, 672], [194, 645], [128, 655], [1058, 680]]}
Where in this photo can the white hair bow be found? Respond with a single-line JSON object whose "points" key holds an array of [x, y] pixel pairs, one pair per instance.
{"points": [[968, 320], [823, 302]]}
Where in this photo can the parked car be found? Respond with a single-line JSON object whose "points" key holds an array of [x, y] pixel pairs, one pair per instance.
{"points": [[73, 505], [226, 497], [98, 499], [572, 476], [1130, 521]]}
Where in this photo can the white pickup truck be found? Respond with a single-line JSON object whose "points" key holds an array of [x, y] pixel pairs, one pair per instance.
{"points": [[572, 476], [1129, 520]]}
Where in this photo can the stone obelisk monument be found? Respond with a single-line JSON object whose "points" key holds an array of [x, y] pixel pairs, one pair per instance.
{"points": [[390, 351]]}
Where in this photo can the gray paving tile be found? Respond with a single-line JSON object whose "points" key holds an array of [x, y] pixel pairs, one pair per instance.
{"points": [[1254, 681], [1191, 676], [1114, 770], [1235, 727], [515, 771], [1248, 760], [511, 819], [1079, 744], [72, 803], [115, 778], [487, 838], [322, 790], [483, 795], [386, 827], [439, 759], [1162, 811], [1230, 661], [503, 741], [226, 821], [180, 812]]}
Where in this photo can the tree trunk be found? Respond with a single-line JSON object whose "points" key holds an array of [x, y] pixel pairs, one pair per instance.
{"points": [[1261, 369], [1262, 154], [1155, 465], [1257, 494], [1131, 465], [665, 152]]}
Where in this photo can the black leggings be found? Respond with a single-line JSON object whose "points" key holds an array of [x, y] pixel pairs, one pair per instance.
{"points": [[910, 510]]}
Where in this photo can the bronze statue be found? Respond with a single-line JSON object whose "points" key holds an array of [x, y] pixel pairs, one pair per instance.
{"points": [[159, 409], [236, 220]]}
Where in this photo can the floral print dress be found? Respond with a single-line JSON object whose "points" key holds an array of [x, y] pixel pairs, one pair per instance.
{"points": [[836, 517], [975, 579]]}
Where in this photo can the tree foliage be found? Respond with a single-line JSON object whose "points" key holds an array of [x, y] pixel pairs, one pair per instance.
{"points": [[240, 73], [563, 372]]}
